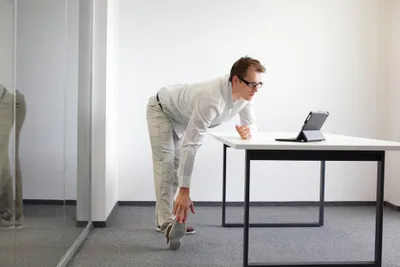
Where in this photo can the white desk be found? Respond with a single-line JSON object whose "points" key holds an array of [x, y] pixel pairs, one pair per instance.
{"points": [[335, 148]]}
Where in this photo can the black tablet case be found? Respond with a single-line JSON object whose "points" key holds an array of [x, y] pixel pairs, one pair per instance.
{"points": [[311, 129]]}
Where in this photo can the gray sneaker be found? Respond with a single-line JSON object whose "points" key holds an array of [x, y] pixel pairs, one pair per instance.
{"points": [[174, 234], [6, 220]]}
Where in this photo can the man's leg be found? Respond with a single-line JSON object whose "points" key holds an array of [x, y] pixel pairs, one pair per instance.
{"points": [[162, 144], [19, 118], [174, 182], [163, 150], [6, 189]]}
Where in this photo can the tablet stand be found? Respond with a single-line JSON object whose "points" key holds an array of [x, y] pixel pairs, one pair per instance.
{"points": [[311, 136]]}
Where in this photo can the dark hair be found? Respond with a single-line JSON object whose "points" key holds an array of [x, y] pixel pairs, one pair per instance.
{"points": [[240, 67]]}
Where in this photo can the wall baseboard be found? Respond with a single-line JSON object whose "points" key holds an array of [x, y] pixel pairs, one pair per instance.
{"points": [[99, 224], [49, 202], [103, 224]]}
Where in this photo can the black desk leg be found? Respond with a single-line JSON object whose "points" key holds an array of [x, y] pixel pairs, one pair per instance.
{"points": [[246, 211], [379, 210], [224, 187], [322, 193]]}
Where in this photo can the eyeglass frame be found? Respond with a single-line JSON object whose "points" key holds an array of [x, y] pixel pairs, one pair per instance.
{"points": [[249, 84]]}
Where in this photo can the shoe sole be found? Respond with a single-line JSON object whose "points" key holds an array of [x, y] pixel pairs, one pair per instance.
{"points": [[178, 230], [187, 233]]}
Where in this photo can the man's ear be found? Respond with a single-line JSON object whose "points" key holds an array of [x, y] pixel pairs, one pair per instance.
{"points": [[235, 79]]}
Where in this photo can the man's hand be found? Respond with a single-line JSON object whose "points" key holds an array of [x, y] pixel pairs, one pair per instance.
{"points": [[244, 132], [182, 204]]}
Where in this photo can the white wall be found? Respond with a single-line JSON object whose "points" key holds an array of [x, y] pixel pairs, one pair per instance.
{"points": [[47, 62], [7, 43], [393, 96], [71, 100], [104, 159], [325, 49], [102, 171], [112, 84], [104, 99], [99, 109]]}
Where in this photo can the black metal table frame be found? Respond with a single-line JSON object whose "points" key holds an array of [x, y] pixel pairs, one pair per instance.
{"points": [[291, 224], [309, 155]]}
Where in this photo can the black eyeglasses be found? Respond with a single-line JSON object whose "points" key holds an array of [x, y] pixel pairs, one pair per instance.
{"points": [[251, 84]]}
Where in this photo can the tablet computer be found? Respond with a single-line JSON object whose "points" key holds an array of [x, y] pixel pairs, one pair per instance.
{"points": [[311, 129]]}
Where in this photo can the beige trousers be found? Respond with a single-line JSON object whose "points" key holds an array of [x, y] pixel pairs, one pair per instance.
{"points": [[165, 147], [7, 101]]}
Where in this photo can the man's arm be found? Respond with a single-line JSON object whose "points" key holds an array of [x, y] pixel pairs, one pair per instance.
{"points": [[248, 118], [203, 114]]}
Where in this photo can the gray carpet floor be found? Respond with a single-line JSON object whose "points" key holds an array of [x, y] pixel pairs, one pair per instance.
{"points": [[348, 234], [48, 233]]}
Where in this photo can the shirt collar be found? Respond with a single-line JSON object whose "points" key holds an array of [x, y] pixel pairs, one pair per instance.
{"points": [[226, 92]]}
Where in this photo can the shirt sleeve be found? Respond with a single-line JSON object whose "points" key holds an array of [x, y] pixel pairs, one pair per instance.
{"points": [[248, 118], [204, 112]]}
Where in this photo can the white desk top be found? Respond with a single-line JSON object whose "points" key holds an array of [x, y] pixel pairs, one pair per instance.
{"points": [[266, 141]]}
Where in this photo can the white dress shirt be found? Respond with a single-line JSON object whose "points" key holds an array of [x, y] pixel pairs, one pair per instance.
{"points": [[195, 107]]}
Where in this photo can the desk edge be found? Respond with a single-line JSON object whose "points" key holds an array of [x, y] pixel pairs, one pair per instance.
{"points": [[300, 147]]}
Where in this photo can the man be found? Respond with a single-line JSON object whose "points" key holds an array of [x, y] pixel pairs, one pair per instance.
{"points": [[178, 116]]}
